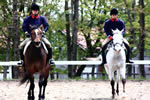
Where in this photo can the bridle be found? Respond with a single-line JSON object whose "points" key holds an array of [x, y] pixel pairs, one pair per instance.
{"points": [[115, 44], [36, 37]]}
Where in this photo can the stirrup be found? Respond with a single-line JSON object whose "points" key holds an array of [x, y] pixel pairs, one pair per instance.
{"points": [[21, 62], [51, 62], [129, 61]]}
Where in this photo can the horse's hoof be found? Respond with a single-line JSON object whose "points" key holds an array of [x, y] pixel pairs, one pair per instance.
{"points": [[113, 97], [118, 94], [41, 98], [30, 98]]}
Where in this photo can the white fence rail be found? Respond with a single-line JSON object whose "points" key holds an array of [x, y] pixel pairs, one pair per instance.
{"points": [[16, 63]]}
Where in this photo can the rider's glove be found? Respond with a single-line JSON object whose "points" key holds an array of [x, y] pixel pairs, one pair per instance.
{"points": [[43, 34], [27, 34], [110, 37]]}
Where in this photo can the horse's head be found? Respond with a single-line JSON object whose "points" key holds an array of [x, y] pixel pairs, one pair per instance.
{"points": [[36, 35], [117, 40]]}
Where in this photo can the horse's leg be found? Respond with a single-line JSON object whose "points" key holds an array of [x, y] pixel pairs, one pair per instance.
{"points": [[44, 87], [112, 82], [46, 74], [118, 78], [31, 89], [123, 75], [106, 68], [40, 85], [124, 82]]}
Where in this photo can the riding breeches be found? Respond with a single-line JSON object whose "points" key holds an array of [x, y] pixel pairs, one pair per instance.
{"points": [[22, 44], [108, 40], [45, 40], [105, 42], [48, 44]]}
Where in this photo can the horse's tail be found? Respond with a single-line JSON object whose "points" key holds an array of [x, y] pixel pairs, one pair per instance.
{"points": [[25, 78]]}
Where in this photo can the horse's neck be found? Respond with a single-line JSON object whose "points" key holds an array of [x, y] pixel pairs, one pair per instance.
{"points": [[34, 51]]}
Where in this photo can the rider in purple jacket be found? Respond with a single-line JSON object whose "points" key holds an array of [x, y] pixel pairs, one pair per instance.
{"points": [[112, 24], [35, 20]]}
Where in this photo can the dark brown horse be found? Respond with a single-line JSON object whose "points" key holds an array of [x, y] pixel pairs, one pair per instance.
{"points": [[35, 60]]}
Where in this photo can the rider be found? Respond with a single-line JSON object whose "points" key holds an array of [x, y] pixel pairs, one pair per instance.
{"points": [[114, 23], [35, 20]]}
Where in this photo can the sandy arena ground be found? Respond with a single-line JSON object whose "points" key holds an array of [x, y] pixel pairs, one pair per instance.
{"points": [[76, 90]]}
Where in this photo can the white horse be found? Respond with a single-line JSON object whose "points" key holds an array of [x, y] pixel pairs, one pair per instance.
{"points": [[116, 61]]}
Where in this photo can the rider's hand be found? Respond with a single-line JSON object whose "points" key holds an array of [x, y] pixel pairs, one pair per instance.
{"points": [[43, 34], [111, 38], [27, 34]]}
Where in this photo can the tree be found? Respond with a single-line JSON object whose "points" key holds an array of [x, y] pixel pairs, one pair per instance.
{"points": [[142, 35], [15, 30]]}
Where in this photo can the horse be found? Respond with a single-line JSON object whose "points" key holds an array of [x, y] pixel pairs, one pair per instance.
{"points": [[116, 61], [35, 61]]}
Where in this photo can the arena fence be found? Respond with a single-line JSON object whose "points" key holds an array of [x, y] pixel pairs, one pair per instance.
{"points": [[17, 63]]}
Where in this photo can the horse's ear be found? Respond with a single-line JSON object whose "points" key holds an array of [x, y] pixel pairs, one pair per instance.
{"points": [[113, 30], [122, 31], [41, 26]]}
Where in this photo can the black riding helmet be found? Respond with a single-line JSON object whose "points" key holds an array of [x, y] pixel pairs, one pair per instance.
{"points": [[35, 7], [114, 11]]}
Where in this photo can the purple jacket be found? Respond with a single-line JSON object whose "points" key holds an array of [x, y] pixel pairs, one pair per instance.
{"points": [[34, 22], [111, 24]]}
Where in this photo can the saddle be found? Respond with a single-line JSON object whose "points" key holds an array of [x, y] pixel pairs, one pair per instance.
{"points": [[29, 42]]}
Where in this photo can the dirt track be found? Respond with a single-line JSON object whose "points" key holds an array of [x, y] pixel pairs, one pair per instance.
{"points": [[76, 90]]}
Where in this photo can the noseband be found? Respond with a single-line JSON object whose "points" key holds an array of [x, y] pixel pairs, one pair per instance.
{"points": [[113, 45]]}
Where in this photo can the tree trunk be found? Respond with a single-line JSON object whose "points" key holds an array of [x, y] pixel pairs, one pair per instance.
{"points": [[7, 52], [68, 37], [75, 15], [15, 21], [90, 49], [93, 71], [142, 36], [132, 31], [80, 70]]}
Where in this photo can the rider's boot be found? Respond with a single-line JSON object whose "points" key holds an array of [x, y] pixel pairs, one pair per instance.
{"points": [[51, 61], [128, 54], [128, 57], [22, 58], [103, 57]]}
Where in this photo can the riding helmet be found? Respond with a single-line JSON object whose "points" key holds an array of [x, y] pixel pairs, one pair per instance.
{"points": [[114, 11], [35, 7]]}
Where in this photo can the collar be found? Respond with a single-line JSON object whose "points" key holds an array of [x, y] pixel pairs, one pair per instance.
{"points": [[35, 17], [113, 19]]}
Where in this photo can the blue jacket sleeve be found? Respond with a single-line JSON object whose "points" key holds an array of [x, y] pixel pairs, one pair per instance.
{"points": [[106, 29], [24, 25], [45, 23]]}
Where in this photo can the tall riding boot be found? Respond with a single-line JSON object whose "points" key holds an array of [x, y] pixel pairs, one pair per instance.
{"points": [[50, 56], [22, 58], [128, 57], [21, 55], [103, 57], [128, 54]]}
